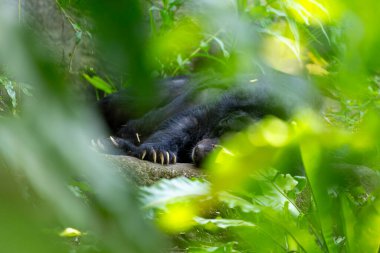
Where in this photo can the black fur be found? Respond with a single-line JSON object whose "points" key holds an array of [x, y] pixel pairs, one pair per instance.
{"points": [[194, 114], [202, 149]]}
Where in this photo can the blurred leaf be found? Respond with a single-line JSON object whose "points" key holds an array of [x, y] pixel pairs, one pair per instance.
{"points": [[11, 93], [309, 11], [167, 191], [99, 83], [367, 228], [235, 201], [282, 53], [223, 223], [71, 232], [48, 146], [227, 248], [317, 66], [226, 54], [178, 41], [317, 70], [26, 88], [286, 182], [177, 217]]}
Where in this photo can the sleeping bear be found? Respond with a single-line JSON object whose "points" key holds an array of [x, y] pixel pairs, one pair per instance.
{"points": [[191, 114]]}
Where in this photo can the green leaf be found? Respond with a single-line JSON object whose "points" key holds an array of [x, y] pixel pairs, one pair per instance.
{"points": [[11, 93], [225, 248], [226, 54], [224, 223], [363, 227], [172, 190], [286, 182], [293, 46], [25, 88], [78, 36], [71, 232], [234, 201], [274, 195], [99, 83]]}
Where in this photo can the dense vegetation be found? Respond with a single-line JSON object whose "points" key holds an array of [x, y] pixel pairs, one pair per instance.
{"points": [[57, 195]]}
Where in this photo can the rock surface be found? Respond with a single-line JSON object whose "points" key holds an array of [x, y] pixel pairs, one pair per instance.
{"points": [[146, 173]]}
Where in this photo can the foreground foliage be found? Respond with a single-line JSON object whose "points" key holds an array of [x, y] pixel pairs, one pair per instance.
{"points": [[307, 185], [330, 209]]}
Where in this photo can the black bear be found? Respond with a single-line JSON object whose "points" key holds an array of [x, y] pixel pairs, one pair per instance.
{"points": [[192, 113]]}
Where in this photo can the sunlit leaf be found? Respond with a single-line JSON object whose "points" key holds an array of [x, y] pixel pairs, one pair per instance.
{"points": [[224, 223], [271, 131], [167, 191], [99, 83], [179, 40], [317, 70], [317, 66], [282, 54], [309, 11], [177, 217], [71, 232]]}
